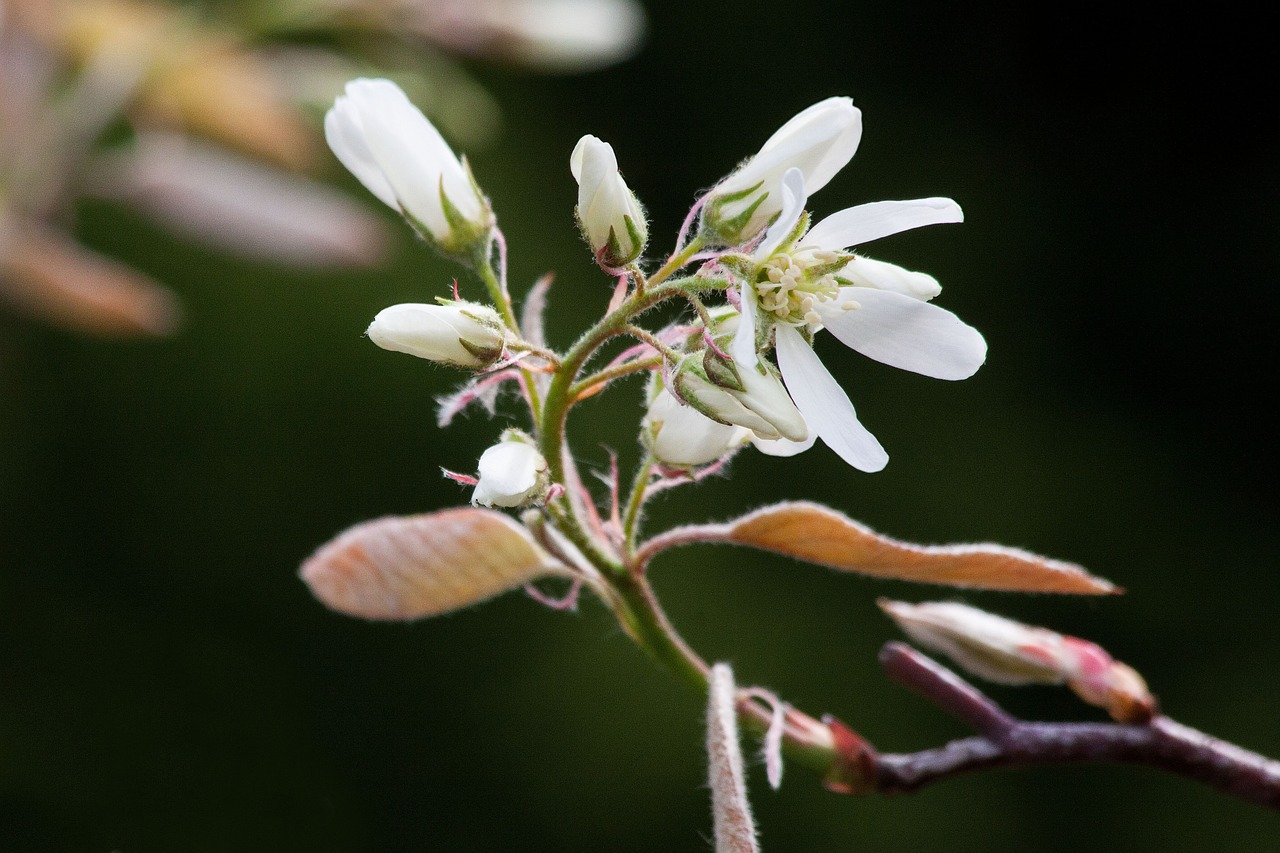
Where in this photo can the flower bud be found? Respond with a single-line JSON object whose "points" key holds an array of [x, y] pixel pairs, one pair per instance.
{"points": [[818, 141], [512, 473], [461, 334], [611, 218], [734, 394], [400, 157], [1009, 652], [680, 436]]}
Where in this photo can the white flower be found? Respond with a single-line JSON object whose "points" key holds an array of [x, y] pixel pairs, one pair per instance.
{"points": [[400, 157], [462, 334], [511, 473], [880, 310], [612, 220], [818, 141], [680, 436]]}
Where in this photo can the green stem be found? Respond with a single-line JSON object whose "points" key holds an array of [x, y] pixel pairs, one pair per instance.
{"points": [[639, 487], [633, 602], [642, 617], [615, 372], [677, 260], [502, 300]]}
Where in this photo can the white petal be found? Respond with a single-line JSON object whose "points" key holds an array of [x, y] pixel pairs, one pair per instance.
{"points": [[868, 272], [819, 140], [783, 446], [345, 136], [414, 157], [824, 404], [906, 333], [794, 199], [854, 226], [743, 348]]}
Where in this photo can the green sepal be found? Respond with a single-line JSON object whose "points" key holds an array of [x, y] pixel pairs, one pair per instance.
{"points": [[721, 371], [692, 365], [485, 355], [729, 231]]}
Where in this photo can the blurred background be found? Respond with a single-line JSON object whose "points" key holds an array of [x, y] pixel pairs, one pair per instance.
{"points": [[167, 683]]}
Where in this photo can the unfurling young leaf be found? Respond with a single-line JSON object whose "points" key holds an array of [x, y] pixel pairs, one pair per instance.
{"points": [[818, 534], [422, 565], [1009, 652]]}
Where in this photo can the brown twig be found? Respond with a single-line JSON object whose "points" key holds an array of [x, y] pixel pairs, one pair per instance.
{"points": [[1005, 741]]}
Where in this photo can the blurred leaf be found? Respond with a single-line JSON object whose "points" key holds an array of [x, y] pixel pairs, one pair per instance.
{"points": [[47, 274]]}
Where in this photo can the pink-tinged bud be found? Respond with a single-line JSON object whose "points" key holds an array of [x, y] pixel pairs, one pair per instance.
{"points": [[512, 473], [1009, 652]]}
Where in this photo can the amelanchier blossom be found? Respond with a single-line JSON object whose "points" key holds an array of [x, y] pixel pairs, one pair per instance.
{"points": [[461, 334], [802, 282], [512, 473], [611, 218], [400, 157], [679, 436], [818, 141]]}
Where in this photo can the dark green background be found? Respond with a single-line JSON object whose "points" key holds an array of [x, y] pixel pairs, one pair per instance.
{"points": [[166, 682]]}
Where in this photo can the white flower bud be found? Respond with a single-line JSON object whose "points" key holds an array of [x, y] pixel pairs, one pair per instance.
{"points": [[400, 157], [611, 218], [760, 403], [512, 473], [461, 334], [818, 141], [680, 436]]}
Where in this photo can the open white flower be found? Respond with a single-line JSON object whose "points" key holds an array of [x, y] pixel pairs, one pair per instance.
{"points": [[400, 157], [818, 141], [808, 283], [611, 218]]}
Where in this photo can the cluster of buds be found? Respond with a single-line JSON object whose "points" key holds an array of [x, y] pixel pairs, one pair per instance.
{"points": [[1009, 652]]}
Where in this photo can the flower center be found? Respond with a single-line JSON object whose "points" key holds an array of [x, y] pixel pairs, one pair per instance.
{"points": [[792, 286]]}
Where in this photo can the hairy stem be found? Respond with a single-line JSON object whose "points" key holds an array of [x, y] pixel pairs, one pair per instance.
{"points": [[1005, 741], [639, 489], [609, 374], [498, 293], [676, 261]]}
